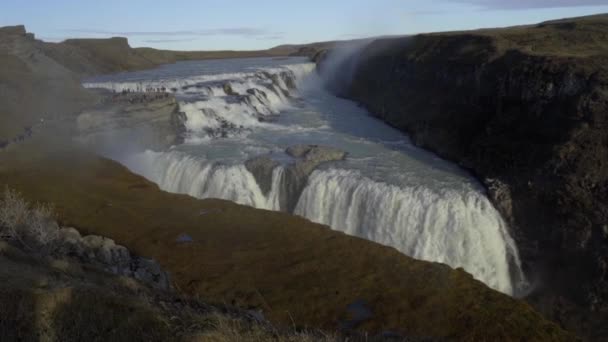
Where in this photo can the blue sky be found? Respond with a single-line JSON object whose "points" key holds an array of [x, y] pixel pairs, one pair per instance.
{"points": [[257, 24]]}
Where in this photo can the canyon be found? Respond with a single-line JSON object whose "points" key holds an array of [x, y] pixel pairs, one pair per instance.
{"points": [[524, 118]]}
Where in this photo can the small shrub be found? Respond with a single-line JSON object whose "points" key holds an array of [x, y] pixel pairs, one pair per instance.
{"points": [[13, 212], [32, 227]]}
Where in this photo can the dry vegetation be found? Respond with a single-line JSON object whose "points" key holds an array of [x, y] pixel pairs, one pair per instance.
{"points": [[32, 227], [47, 299]]}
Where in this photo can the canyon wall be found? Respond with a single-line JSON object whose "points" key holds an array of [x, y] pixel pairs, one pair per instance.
{"points": [[526, 110]]}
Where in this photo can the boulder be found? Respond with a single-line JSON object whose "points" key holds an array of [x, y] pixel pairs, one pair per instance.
{"points": [[70, 242], [228, 90], [150, 272], [315, 153], [262, 168], [308, 158]]}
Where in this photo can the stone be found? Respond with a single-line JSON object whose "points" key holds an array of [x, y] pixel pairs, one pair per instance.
{"points": [[262, 168], [228, 90], [150, 272], [69, 235], [93, 242], [308, 158]]}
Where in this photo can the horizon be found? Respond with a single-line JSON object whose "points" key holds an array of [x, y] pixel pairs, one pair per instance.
{"points": [[213, 25]]}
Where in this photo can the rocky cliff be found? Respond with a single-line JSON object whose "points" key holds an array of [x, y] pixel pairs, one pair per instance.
{"points": [[526, 110], [132, 121]]}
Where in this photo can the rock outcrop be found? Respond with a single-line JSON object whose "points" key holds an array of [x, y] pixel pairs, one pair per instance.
{"points": [[116, 259], [262, 168], [526, 110], [132, 120], [306, 158]]}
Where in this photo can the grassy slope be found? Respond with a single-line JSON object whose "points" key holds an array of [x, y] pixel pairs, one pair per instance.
{"points": [[574, 37], [292, 269]]}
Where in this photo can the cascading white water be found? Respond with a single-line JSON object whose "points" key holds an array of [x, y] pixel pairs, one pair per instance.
{"points": [[427, 210], [461, 229], [223, 104], [179, 173]]}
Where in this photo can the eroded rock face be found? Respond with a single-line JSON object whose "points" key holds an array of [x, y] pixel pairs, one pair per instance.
{"points": [[306, 159], [133, 120], [309, 157], [262, 168]]}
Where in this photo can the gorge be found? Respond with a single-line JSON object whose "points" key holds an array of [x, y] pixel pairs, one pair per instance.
{"points": [[524, 109], [461, 174], [384, 190]]}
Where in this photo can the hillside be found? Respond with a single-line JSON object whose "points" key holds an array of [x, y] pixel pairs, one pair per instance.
{"points": [[525, 110]]}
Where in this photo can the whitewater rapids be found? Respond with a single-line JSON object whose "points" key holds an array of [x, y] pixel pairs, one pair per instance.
{"points": [[386, 191]]}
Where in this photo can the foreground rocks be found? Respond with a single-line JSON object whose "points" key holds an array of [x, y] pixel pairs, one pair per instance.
{"points": [[526, 109], [65, 300], [117, 259]]}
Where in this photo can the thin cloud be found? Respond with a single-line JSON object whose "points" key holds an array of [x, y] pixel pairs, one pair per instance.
{"points": [[231, 31], [271, 37], [350, 35], [428, 12], [168, 40], [531, 4]]}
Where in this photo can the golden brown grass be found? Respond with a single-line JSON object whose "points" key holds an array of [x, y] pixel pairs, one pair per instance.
{"points": [[573, 37]]}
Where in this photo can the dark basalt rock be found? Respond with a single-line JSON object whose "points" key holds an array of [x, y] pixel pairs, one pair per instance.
{"points": [[532, 127], [306, 159], [228, 90], [261, 168]]}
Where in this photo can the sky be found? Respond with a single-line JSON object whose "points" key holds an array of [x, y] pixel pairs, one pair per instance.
{"points": [[260, 24]]}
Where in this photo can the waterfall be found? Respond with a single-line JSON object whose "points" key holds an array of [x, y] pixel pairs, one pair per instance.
{"points": [[461, 229], [429, 220], [183, 174], [224, 105], [458, 228]]}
